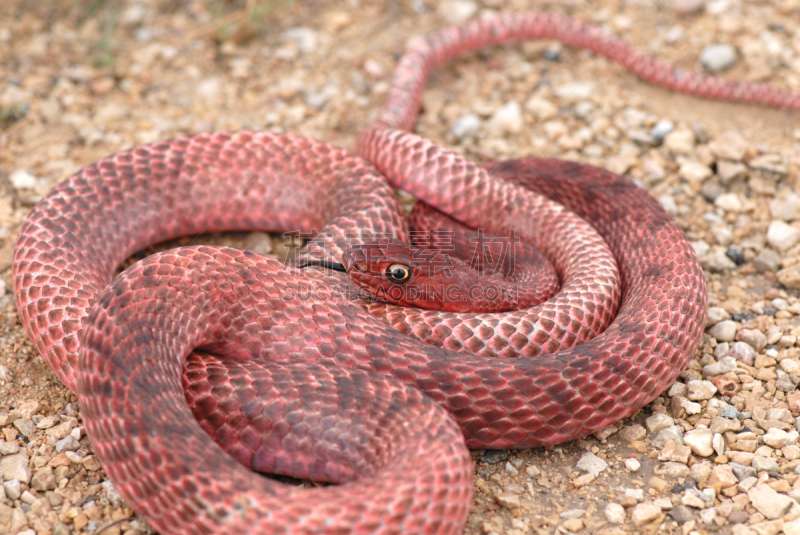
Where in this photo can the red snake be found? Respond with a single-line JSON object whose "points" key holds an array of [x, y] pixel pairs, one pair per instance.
{"points": [[294, 376]]}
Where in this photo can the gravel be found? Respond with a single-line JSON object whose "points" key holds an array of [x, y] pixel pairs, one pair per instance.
{"points": [[725, 434]]}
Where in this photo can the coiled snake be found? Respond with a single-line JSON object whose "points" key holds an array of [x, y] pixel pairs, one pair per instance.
{"points": [[286, 372]]}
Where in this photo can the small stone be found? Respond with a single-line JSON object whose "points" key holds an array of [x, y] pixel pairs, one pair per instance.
{"points": [[67, 443], [688, 7], [466, 125], [782, 236], [509, 469], [715, 315], [13, 489], [680, 141], [632, 497], [741, 471], [673, 470], [792, 367], [80, 521], [657, 484], [717, 58], [718, 443], [658, 421], [675, 452], [507, 119], [10, 463], [583, 480], [29, 409], [615, 513], [754, 338], [26, 427], [777, 438], [729, 171], [718, 260], [43, 480], [112, 493], [591, 463], [573, 524], [790, 276], [509, 500], [743, 352], [258, 242], [47, 422], [574, 91], [541, 108], [700, 390], [572, 513], [681, 514], [661, 129], [765, 464], [695, 172], [739, 517], [22, 179], [644, 513], [678, 389], [707, 516], [91, 463], [306, 39], [457, 11], [18, 520], [722, 477], [724, 365], [728, 411], [700, 441], [604, 433], [785, 206], [673, 433], [494, 456], [8, 448], [768, 502], [767, 261], [729, 146], [724, 331], [633, 465], [691, 499], [730, 202]]}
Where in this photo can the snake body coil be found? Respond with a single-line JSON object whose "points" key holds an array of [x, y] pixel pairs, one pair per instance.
{"points": [[290, 375]]}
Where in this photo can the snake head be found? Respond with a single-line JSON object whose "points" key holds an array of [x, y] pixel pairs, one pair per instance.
{"points": [[401, 274]]}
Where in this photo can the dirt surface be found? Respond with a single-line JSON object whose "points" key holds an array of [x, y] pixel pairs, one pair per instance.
{"points": [[84, 78]]}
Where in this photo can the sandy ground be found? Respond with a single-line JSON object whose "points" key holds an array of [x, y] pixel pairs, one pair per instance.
{"points": [[82, 79]]}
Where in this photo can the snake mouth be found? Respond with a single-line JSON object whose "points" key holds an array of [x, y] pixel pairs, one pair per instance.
{"points": [[354, 260], [335, 266]]}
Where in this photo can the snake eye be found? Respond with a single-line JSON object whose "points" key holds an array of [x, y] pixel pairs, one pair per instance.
{"points": [[398, 273]]}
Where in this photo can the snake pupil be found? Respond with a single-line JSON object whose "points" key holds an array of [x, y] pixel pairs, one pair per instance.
{"points": [[398, 273]]}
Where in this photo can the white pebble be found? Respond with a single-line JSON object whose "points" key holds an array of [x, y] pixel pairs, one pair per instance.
{"points": [[658, 421], [574, 90], [633, 465], [591, 463], [22, 179], [717, 58], [507, 119], [615, 513], [782, 236], [700, 441], [457, 11], [729, 202], [466, 125], [305, 38], [700, 390]]}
